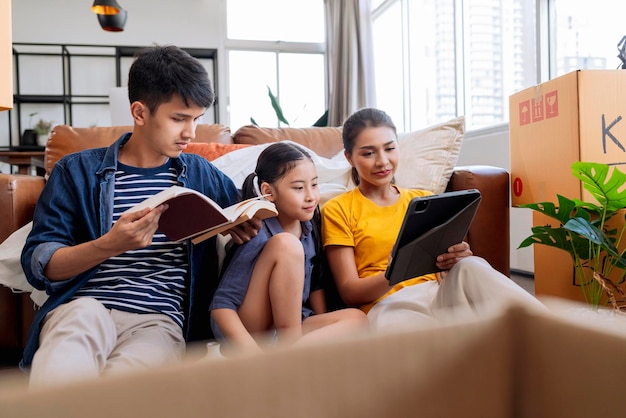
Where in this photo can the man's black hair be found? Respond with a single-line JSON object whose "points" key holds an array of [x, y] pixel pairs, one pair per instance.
{"points": [[160, 72]]}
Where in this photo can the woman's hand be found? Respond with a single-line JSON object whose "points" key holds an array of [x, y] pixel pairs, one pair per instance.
{"points": [[455, 253]]}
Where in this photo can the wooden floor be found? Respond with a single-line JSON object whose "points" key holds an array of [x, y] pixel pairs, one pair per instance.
{"points": [[525, 281]]}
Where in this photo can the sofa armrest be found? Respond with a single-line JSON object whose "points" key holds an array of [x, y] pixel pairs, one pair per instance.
{"points": [[489, 235], [18, 196]]}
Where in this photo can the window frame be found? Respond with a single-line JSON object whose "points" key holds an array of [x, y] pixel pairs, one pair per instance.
{"points": [[276, 48]]}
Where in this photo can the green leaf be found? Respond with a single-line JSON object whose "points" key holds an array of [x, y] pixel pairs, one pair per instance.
{"points": [[604, 241], [558, 238], [562, 213], [322, 121], [586, 230], [276, 106], [252, 121], [608, 190], [546, 235]]}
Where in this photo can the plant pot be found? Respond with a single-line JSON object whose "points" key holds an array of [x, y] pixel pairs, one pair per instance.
{"points": [[29, 138], [42, 140]]}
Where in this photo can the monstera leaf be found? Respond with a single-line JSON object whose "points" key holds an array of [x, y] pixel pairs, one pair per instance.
{"points": [[561, 238], [561, 213], [608, 191]]}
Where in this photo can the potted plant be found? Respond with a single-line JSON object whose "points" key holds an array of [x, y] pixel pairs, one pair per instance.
{"points": [[42, 129], [587, 231]]}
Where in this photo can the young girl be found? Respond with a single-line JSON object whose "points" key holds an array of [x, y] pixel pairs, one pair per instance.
{"points": [[361, 226], [271, 283]]}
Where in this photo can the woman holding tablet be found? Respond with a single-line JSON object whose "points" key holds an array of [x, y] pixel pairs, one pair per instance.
{"points": [[360, 226]]}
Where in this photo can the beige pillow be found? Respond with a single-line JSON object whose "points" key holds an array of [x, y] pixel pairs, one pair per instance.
{"points": [[11, 273], [428, 156]]}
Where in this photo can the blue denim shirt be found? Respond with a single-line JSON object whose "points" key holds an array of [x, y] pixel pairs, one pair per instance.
{"points": [[76, 206]]}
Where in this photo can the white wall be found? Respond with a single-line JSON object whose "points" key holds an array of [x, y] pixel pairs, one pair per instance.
{"points": [[186, 23], [490, 146]]}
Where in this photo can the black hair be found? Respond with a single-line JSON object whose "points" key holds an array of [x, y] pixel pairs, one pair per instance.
{"points": [[357, 123], [273, 164], [160, 72]]}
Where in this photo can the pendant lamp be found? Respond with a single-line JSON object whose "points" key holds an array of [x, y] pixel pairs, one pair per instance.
{"points": [[105, 7], [113, 22]]}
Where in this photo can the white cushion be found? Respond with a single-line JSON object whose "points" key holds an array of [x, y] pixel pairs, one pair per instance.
{"points": [[333, 173], [11, 273], [428, 156]]}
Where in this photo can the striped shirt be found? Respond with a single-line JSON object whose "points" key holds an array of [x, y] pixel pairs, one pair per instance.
{"points": [[147, 280]]}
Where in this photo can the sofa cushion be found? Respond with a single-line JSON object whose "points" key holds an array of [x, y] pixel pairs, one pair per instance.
{"points": [[213, 150], [65, 139], [324, 141], [428, 156]]}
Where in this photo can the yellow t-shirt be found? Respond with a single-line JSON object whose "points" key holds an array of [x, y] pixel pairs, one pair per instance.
{"points": [[352, 220]]}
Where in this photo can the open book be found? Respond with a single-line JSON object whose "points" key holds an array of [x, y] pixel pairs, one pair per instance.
{"points": [[193, 215], [431, 225]]}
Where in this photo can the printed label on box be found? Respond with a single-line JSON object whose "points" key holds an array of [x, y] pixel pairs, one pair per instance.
{"points": [[518, 187], [552, 101], [537, 109], [524, 112]]}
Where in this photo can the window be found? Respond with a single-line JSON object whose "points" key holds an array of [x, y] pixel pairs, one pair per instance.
{"points": [[436, 59], [297, 80], [286, 55], [587, 37]]}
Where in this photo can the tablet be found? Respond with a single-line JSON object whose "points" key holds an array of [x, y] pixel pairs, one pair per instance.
{"points": [[431, 225]]}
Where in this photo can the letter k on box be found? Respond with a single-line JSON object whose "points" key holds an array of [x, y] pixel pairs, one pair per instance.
{"points": [[575, 117]]}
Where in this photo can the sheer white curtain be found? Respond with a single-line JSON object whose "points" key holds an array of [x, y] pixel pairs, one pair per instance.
{"points": [[350, 60]]}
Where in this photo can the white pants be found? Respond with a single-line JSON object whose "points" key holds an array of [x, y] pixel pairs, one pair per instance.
{"points": [[83, 339], [471, 288]]}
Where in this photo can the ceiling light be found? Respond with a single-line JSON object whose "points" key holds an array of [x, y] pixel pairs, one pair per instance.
{"points": [[106, 7], [113, 23]]}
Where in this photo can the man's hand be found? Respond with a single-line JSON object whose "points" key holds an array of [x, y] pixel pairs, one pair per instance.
{"points": [[245, 231], [455, 253], [130, 232], [133, 230]]}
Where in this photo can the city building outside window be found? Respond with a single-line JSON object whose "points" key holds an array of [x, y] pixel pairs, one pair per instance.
{"points": [[437, 59]]}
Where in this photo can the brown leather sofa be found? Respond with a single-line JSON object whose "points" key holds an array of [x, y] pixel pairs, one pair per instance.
{"points": [[488, 235]]}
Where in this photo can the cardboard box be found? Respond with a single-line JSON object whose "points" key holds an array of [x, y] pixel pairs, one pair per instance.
{"points": [[575, 117], [554, 273], [554, 269], [512, 363]]}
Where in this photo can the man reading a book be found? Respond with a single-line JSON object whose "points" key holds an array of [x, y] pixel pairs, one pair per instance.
{"points": [[121, 294]]}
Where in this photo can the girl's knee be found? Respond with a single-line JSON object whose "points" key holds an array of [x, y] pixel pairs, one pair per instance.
{"points": [[285, 244]]}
